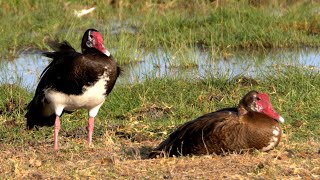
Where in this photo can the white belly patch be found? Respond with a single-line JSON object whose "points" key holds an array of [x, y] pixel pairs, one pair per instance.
{"points": [[92, 97]]}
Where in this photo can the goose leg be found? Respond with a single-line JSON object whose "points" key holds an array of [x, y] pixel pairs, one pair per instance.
{"points": [[92, 113], [90, 129], [56, 132]]}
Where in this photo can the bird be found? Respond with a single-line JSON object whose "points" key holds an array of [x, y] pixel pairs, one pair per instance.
{"points": [[254, 124], [73, 81]]}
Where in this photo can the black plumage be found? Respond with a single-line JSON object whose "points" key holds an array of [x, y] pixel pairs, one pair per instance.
{"points": [[73, 80]]}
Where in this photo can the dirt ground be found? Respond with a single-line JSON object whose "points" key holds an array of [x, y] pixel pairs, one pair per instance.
{"points": [[117, 157]]}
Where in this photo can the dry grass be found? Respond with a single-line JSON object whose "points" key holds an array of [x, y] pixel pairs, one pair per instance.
{"points": [[137, 117], [114, 156]]}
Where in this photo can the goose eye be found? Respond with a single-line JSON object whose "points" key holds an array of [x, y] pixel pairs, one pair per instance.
{"points": [[89, 43], [91, 36]]}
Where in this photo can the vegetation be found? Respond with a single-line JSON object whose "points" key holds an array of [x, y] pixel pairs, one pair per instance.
{"points": [[129, 26], [139, 115]]}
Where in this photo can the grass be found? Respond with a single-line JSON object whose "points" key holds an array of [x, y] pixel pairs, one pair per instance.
{"points": [[138, 116], [170, 25]]}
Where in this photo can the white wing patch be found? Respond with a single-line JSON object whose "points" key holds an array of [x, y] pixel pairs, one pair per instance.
{"points": [[276, 131], [273, 140]]}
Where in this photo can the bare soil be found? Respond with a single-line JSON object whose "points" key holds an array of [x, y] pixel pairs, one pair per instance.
{"points": [[115, 156]]}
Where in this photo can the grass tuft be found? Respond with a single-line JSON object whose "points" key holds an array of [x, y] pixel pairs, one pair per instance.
{"points": [[138, 116]]}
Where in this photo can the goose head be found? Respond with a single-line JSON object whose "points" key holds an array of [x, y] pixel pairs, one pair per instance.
{"points": [[258, 102], [93, 39]]}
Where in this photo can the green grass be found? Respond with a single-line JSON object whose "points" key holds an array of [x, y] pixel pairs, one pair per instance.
{"points": [[137, 116], [159, 103], [170, 25]]}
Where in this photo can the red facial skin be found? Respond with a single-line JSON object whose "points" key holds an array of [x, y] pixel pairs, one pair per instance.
{"points": [[97, 41], [264, 106]]}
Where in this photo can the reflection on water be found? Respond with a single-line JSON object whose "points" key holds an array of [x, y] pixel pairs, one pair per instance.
{"points": [[26, 69], [251, 64]]}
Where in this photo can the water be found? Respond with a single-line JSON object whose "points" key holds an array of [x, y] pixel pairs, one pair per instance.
{"points": [[26, 69], [250, 64]]}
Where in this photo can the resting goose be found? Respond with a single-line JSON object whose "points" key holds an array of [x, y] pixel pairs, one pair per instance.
{"points": [[254, 124]]}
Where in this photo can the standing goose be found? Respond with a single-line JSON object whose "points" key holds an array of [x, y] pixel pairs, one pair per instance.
{"points": [[253, 125], [73, 81]]}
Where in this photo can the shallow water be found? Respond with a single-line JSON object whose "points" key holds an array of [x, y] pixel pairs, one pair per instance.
{"points": [[26, 69], [250, 64]]}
